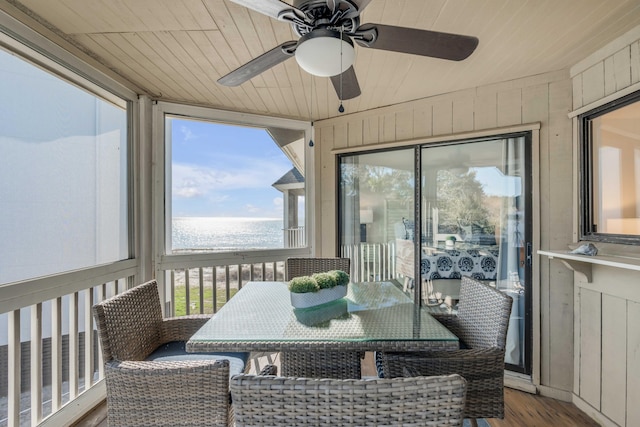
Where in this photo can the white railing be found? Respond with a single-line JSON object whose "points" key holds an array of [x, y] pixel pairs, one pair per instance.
{"points": [[202, 284], [205, 290], [47, 358], [371, 261], [48, 344], [295, 237]]}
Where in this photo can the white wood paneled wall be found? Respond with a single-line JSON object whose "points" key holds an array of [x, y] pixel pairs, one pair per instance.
{"points": [[609, 73], [607, 310], [544, 99], [608, 356]]}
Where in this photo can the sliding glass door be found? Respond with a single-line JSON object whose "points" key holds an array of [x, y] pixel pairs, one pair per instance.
{"points": [[472, 218]]}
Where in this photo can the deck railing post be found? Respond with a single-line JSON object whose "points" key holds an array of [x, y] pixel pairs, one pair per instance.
{"points": [[36, 363], [88, 339], [14, 369], [73, 346], [56, 352]]}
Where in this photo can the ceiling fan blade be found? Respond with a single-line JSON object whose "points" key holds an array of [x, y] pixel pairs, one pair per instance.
{"points": [[331, 4], [350, 87], [361, 4], [454, 47], [272, 8], [257, 65]]}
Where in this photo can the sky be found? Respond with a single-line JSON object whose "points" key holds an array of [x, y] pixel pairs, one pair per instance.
{"points": [[496, 183], [225, 171]]}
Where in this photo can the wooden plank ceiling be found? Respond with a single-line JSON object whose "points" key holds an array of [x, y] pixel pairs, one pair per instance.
{"points": [[177, 49]]}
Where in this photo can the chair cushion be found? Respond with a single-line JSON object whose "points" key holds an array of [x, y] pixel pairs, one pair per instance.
{"points": [[175, 351]]}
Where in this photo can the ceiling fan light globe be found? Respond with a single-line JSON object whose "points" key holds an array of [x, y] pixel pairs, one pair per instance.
{"points": [[324, 53]]}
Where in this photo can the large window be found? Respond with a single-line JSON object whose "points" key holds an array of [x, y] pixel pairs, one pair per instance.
{"points": [[611, 172], [233, 187], [63, 174]]}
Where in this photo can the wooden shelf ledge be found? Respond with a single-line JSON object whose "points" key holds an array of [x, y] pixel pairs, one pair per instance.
{"points": [[582, 263]]}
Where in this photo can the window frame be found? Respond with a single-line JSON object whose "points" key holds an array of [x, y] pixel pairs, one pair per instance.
{"points": [[20, 40], [162, 156], [587, 229], [531, 135], [38, 52]]}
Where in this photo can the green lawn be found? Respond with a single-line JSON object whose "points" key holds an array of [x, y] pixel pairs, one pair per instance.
{"points": [[194, 295]]}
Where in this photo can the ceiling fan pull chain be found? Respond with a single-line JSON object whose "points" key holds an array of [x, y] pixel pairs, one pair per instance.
{"points": [[341, 107], [311, 115]]}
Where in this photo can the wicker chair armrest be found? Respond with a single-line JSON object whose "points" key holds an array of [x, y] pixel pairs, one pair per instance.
{"points": [[183, 327], [478, 353], [142, 393], [408, 371], [444, 318], [150, 367], [450, 321], [472, 364], [269, 370], [465, 353]]}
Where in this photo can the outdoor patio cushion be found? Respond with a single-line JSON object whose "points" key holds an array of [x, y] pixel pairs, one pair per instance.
{"points": [[175, 352]]}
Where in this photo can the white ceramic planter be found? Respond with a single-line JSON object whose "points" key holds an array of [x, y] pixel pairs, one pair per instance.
{"points": [[311, 299]]}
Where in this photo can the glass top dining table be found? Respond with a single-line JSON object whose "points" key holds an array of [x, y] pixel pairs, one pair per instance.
{"points": [[372, 316]]}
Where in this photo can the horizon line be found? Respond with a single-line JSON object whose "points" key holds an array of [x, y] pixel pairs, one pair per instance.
{"points": [[229, 217]]}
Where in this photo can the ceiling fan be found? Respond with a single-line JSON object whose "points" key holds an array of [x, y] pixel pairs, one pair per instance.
{"points": [[327, 29]]}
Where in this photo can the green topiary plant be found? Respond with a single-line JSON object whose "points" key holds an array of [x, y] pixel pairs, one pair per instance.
{"points": [[342, 278], [325, 280], [303, 284]]}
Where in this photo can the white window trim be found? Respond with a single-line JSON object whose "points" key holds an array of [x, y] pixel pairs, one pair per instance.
{"points": [[41, 51], [162, 166]]}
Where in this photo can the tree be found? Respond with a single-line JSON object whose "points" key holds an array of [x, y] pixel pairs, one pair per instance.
{"points": [[461, 201]]}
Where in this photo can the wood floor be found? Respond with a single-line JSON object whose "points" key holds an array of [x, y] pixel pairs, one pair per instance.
{"points": [[521, 410]]}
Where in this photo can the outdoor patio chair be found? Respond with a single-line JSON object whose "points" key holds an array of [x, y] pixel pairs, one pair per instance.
{"points": [[286, 401], [326, 364], [297, 267], [150, 378], [481, 325]]}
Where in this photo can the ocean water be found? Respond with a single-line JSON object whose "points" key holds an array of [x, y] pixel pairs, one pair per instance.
{"points": [[226, 234]]}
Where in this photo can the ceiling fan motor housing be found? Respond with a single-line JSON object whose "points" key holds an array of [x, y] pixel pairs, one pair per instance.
{"points": [[318, 14]]}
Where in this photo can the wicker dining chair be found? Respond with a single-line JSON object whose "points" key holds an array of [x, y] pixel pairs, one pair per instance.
{"points": [[326, 364], [150, 378], [286, 401], [297, 267], [481, 325]]}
